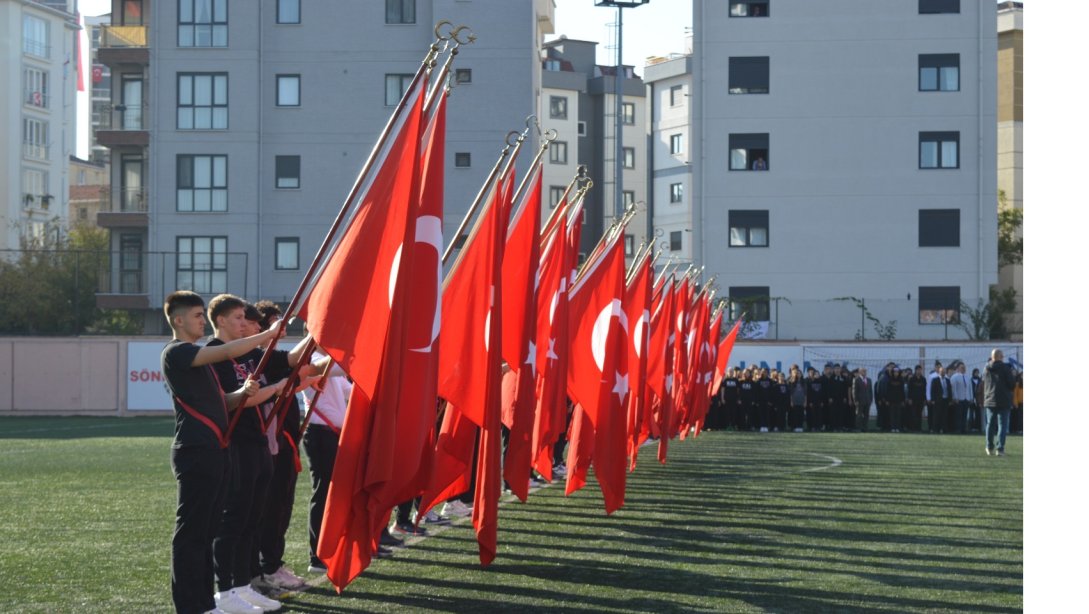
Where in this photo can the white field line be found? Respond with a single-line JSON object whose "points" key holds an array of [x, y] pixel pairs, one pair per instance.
{"points": [[835, 462]]}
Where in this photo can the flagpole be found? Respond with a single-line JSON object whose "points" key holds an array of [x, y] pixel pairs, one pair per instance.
{"points": [[549, 136], [548, 228], [320, 388]]}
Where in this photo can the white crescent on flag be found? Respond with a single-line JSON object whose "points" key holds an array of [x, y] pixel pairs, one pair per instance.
{"points": [[600, 333]]}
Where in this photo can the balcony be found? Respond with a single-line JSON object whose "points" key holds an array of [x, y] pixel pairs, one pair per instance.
{"points": [[128, 209], [34, 151], [36, 99], [124, 126], [123, 45], [130, 276]]}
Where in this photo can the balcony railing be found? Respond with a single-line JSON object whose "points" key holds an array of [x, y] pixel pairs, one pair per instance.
{"points": [[36, 48], [121, 117], [123, 36], [128, 200], [33, 151], [36, 99]]}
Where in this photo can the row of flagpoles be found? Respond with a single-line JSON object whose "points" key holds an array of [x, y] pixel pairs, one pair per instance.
{"points": [[639, 355]]}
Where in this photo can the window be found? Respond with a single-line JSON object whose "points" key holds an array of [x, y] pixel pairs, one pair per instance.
{"points": [[287, 253], [753, 300], [36, 88], [202, 183], [629, 198], [582, 128], [288, 11], [35, 36], [939, 149], [35, 185], [748, 228], [675, 241], [202, 101], [939, 72], [629, 157], [749, 8], [939, 304], [675, 144], [202, 264], [676, 192], [287, 90], [629, 245], [400, 11], [749, 75], [555, 195], [463, 75], [939, 6], [557, 107], [749, 152], [676, 96], [462, 159], [202, 23], [287, 172], [939, 227], [35, 139], [395, 88], [132, 13], [557, 152], [627, 113]]}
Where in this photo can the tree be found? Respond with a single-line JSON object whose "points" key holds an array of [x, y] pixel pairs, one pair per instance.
{"points": [[1010, 243], [988, 320], [885, 332]]}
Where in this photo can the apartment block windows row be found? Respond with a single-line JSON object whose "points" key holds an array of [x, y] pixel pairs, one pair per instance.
{"points": [[202, 23], [748, 228], [939, 72], [35, 36], [749, 152], [35, 87], [749, 8], [939, 304], [202, 101], [288, 11], [400, 11], [201, 183], [288, 90], [749, 75], [939, 150], [939, 227], [202, 264]]}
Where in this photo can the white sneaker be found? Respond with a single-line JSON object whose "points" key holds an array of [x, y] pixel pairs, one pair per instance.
{"points": [[216, 611], [257, 599], [763, 429], [798, 430], [559, 471], [433, 517], [455, 508], [284, 578], [317, 569], [233, 603]]}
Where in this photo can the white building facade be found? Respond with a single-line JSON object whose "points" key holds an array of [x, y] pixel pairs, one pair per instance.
{"points": [[843, 163], [37, 119]]}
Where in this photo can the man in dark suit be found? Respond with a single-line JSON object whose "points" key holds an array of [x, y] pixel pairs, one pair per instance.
{"points": [[862, 398], [939, 400]]}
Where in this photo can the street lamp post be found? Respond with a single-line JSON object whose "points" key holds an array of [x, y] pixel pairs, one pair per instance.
{"points": [[618, 200]]}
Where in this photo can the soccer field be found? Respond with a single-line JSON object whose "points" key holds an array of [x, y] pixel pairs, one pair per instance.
{"points": [[735, 522]]}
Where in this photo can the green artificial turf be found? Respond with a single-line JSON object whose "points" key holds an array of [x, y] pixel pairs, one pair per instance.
{"points": [[735, 522]]}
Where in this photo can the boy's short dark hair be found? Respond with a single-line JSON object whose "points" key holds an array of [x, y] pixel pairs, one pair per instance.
{"points": [[223, 304], [252, 314], [180, 300], [268, 310]]}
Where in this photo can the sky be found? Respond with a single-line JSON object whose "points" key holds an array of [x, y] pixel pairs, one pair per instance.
{"points": [[656, 28]]}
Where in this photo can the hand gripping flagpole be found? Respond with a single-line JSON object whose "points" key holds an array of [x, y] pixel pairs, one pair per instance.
{"points": [[425, 67], [320, 388]]}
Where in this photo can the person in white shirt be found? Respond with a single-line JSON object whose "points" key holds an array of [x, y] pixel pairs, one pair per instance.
{"points": [[962, 397]]}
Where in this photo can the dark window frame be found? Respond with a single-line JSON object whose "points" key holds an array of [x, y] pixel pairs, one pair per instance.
{"points": [[676, 144], [676, 193], [938, 62], [749, 8], [396, 13], [676, 240], [627, 113], [939, 305], [940, 139], [629, 154], [676, 94], [939, 227], [212, 25], [276, 253], [181, 172], [555, 195], [749, 75], [557, 152], [463, 159], [284, 163], [748, 220], [404, 79], [939, 7], [193, 107], [193, 271], [279, 14], [298, 89], [756, 145], [752, 300], [557, 107]]}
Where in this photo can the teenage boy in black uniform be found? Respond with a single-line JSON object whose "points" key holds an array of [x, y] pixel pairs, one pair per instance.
{"points": [[199, 455], [839, 389], [235, 543], [730, 400], [814, 400], [916, 399]]}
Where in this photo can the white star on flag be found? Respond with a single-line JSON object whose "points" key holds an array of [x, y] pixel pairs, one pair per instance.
{"points": [[669, 383], [621, 387], [552, 349], [531, 358]]}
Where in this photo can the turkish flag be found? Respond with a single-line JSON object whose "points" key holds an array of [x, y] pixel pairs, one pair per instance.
{"points": [[660, 365], [680, 357], [722, 360], [354, 312], [559, 257], [521, 258], [637, 309], [597, 374], [470, 360]]}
